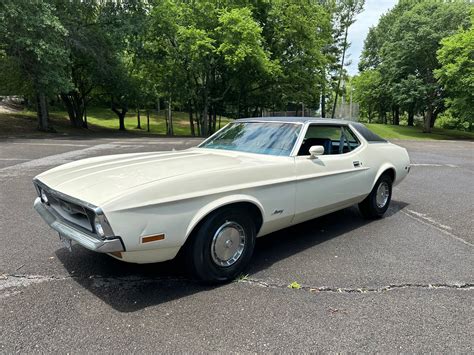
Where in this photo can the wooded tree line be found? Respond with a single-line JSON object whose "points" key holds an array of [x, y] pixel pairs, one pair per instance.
{"points": [[419, 59], [236, 58]]}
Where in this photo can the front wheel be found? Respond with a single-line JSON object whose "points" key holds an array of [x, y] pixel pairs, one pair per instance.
{"points": [[222, 245], [376, 204]]}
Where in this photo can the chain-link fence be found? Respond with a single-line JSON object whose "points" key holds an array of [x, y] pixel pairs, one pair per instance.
{"points": [[343, 111]]}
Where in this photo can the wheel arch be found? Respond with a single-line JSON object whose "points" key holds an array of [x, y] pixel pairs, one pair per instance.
{"points": [[386, 169], [250, 202]]}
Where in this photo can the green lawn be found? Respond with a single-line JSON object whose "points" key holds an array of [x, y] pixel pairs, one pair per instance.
{"points": [[104, 121], [100, 120], [105, 118], [415, 133]]}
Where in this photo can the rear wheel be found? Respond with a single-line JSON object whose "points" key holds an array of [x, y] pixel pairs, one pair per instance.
{"points": [[222, 245], [376, 204]]}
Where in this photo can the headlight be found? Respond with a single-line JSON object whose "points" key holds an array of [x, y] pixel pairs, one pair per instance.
{"points": [[98, 228], [44, 198]]}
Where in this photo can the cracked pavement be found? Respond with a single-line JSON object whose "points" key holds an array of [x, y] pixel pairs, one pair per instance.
{"points": [[403, 283]]}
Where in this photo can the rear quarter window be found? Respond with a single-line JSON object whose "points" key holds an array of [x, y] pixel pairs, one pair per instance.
{"points": [[367, 133]]}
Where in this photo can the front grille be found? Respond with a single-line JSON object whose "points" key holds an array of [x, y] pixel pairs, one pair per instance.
{"points": [[73, 213]]}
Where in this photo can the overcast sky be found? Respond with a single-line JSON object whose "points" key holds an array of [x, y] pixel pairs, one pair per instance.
{"points": [[373, 9]]}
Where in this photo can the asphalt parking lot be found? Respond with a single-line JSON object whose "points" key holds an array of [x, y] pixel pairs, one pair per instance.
{"points": [[403, 283]]}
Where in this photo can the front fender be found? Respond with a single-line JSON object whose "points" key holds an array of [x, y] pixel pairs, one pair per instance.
{"points": [[221, 202]]}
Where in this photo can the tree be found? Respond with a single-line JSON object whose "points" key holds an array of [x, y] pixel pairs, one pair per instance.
{"points": [[123, 24], [403, 46], [32, 35], [456, 73], [88, 48], [347, 11], [201, 52], [367, 92]]}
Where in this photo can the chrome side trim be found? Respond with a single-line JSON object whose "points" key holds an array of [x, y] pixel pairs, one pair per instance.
{"points": [[87, 241]]}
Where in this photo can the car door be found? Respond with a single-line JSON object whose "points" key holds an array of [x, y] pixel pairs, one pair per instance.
{"points": [[330, 181]]}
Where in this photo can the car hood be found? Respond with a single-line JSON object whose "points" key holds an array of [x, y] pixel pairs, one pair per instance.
{"points": [[98, 180]]}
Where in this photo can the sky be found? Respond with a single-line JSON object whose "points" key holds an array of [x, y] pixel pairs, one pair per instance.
{"points": [[373, 9]]}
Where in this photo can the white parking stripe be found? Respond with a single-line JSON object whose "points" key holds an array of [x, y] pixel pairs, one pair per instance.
{"points": [[53, 144], [435, 165], [54, 160], [424, 219], [170, 142], [13, 159]]}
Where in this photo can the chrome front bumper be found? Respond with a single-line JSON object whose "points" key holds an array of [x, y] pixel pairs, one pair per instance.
{"points": [[90, 242]]}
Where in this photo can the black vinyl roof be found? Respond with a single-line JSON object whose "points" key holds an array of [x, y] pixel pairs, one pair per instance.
{"points": [[295, 120]]}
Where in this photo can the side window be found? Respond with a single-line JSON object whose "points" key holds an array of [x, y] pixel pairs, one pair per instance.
{"points": [[351, 142], [335, 139]]}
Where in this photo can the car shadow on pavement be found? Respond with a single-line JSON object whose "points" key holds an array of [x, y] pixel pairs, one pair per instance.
{"points": [[132, 287]]}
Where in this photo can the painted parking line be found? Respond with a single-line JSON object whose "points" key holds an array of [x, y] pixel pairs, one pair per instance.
{"points": [[52, 144], [429, 221], [170, 142], [54, 160], [435, 165], [13, 159]]}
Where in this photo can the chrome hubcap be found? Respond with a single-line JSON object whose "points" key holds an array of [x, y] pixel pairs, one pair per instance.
{"points": [[383, 192], [228, 244]]}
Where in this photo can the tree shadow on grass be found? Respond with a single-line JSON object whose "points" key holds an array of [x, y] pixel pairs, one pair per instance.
{"points": [[131, 287]]}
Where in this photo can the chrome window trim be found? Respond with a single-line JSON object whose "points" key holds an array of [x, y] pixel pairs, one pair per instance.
{"points": [[313, 122], [302, 124]]}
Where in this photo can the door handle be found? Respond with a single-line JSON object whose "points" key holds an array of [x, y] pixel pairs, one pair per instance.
{"points": [[356, 163]]}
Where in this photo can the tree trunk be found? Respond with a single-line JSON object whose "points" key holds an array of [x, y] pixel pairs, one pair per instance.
{"points": [[341, 68], [170, 118], [323, 96], [396, 116], [411, 115], [433, 119], [121, 116], [122, 122], [42, 110], [427, 120], [214, 120], [148, 120], [198, 125], [323, 106], [69, 108], [84, 124], [191, 121], [74, 103], [139, 125], [205, 119]]}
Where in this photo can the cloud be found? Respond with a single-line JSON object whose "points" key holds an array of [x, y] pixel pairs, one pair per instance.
{"points": [[373, 9]]}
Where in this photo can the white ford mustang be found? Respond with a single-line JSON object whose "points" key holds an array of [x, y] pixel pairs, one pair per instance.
{"points": [[251, 178]]}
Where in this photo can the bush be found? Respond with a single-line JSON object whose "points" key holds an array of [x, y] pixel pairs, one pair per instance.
{"points": [[449, 121]]}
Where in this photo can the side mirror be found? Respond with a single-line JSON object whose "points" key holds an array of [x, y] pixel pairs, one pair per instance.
{"points": [[316, 150]]}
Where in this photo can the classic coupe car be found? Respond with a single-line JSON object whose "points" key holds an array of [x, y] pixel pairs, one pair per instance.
{"points": [[209, 203]]}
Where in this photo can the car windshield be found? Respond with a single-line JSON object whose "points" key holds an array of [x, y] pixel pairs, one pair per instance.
{"points": [[271, 138]]}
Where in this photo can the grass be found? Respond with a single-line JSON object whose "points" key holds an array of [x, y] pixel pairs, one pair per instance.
{"points": [[415, 133], [294, 285], [104, 121], [105, 118], [100, 121]]}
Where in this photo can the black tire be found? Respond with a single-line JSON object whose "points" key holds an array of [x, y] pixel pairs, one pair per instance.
{"points": [[369, 208], [201, 251]]}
